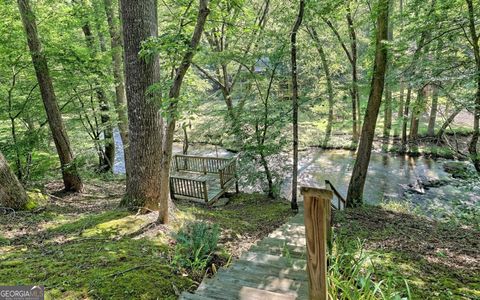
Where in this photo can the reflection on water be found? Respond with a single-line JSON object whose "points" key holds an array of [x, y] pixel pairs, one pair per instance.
{"points": [[389, 177]]}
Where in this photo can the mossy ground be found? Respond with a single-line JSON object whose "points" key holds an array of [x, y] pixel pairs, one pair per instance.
{"points": [[83, 247], [438, 260]]}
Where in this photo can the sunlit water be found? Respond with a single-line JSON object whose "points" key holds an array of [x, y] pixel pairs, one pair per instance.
{"points": [[389, 177]]}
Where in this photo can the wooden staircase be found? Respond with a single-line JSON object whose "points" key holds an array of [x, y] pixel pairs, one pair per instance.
{"points": [[274, 268]]}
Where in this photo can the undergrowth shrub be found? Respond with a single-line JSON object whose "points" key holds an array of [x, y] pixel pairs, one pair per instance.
{"points": [[195, 245], [352, 275]]}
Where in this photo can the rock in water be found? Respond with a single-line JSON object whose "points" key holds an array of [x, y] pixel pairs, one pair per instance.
{"points": [[458, 169]]}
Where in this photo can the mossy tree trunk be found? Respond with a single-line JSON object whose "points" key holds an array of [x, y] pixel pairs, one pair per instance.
{"points": [[12, 194]]}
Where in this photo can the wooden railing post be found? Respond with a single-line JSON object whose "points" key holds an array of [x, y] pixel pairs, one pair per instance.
{"points": [[205, 191], [317, 206]]}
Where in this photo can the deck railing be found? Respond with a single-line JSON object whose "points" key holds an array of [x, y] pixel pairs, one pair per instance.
{"points": [[200, 164], [227, 173], [189, 187], [341, 202]]}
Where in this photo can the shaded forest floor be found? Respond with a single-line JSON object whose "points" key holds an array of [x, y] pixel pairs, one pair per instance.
{"points": [[83, 247], [438, 260]]}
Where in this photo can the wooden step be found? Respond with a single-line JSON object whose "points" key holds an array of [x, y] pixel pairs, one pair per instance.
{"points": [[267, 283], [272, 270], [268, 259], [248, 293], [232, 289], [282, 249], [189, 296]]}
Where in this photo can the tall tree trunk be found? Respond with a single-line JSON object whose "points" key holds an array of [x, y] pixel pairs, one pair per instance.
{"points": [[174, 94], [417, 110], [405, 114], [356, 109], [107, 148], [472, 147], [145, 122], [387, 114], [401, 99], [12, 194], [293, 40], [433, 112], [117, 65], [359, 173], [328, 77], [71, 179], [401, 103]]}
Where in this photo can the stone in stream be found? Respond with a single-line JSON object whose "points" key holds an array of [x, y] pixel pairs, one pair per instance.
{"points": [[458, 169]]}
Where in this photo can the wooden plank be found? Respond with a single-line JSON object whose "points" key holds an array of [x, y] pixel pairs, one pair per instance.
{"points": [[248, 293], [317, 227]]}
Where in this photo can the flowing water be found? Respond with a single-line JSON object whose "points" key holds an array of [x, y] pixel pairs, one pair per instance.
{"points": [[390, 177]]}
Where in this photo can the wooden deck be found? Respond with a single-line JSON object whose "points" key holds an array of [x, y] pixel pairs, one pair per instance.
{"points": [[203, 179]]}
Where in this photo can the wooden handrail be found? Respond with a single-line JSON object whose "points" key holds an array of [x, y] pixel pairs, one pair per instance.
{"points": [[200, 164], [203, 157], [337, 194], [317, 213]]}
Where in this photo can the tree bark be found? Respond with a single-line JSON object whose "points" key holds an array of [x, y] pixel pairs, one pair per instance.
{"points": [[117, 66], [356, 116], [293, 40], [145, 122], [71, 179], [173, 95], [433, 112], [12, 194], [405, 120], [418, 108], [359, 173], [401, 103], [328, 77], [387, 114], [107, 149], [472, 147]]}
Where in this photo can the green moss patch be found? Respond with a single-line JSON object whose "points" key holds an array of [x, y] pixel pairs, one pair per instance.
{"points": [[81, 247]]}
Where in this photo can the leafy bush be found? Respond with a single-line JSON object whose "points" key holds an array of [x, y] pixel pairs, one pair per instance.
{"points": [[195, 245]]}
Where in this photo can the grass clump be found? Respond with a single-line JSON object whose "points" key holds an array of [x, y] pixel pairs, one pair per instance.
{"points": [[352, 275], [437, 260], [195, 246]]}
